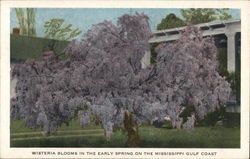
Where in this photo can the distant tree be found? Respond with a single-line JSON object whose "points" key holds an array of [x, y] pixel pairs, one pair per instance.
{"points": [[27, 24], [55, 29], [31, 21], [103, 77], [193, 16], [170, 21], [21, 20], [200, 15]]}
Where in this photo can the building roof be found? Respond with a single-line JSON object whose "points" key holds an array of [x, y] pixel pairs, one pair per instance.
{"points": [[210, 24], [211, 28]]}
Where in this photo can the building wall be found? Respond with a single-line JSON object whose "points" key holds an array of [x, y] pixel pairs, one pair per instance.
{"points": [[145, 61]]}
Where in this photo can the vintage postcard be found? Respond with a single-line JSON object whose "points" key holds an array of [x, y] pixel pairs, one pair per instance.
{"points": [[125, 79]]}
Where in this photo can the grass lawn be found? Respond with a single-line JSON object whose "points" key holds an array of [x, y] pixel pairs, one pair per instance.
{"points": [[74, 135]]}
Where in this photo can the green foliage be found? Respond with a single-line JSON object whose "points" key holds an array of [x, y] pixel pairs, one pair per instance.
{"points": [[211, 118], [153, 57], [222, 58], [167, 124], [232, 120], [193, 16], [223, 15], [80, 108], [231, 77], [54, 29], [220, 114], [229, 119], [187, 112], [170, 21], [24, 47], [197, 16], [96, 119], [27, 23]]}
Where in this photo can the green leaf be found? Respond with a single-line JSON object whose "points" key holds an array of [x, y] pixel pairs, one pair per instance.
{"points": [[56, 30]]}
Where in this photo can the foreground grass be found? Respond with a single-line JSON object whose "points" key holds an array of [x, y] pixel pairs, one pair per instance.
{"points": [[201, 137], [75, 136]]}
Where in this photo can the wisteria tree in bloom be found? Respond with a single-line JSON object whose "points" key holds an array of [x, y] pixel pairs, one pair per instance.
{"points": [[34, 78], [103, 77], [186, 74]]}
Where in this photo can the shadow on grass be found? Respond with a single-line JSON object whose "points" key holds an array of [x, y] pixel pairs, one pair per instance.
{"points": [[150, 137]]}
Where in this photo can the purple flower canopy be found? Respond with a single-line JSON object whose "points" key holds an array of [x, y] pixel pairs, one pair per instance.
{"points": [[103, 76]]}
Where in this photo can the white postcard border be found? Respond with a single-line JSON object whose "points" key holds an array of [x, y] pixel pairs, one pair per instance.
{"points": [[7, 152]]}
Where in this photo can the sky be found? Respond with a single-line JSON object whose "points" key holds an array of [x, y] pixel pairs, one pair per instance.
{"points": [[83, 18]]}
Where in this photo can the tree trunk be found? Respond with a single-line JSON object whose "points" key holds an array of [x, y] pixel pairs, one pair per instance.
{"points": [[132, 130]]}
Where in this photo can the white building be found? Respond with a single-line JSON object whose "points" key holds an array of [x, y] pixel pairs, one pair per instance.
{"points": [[228, 28]]}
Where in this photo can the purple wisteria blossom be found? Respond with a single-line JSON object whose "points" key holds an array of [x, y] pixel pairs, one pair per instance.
{"points": [[103, 77]]}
